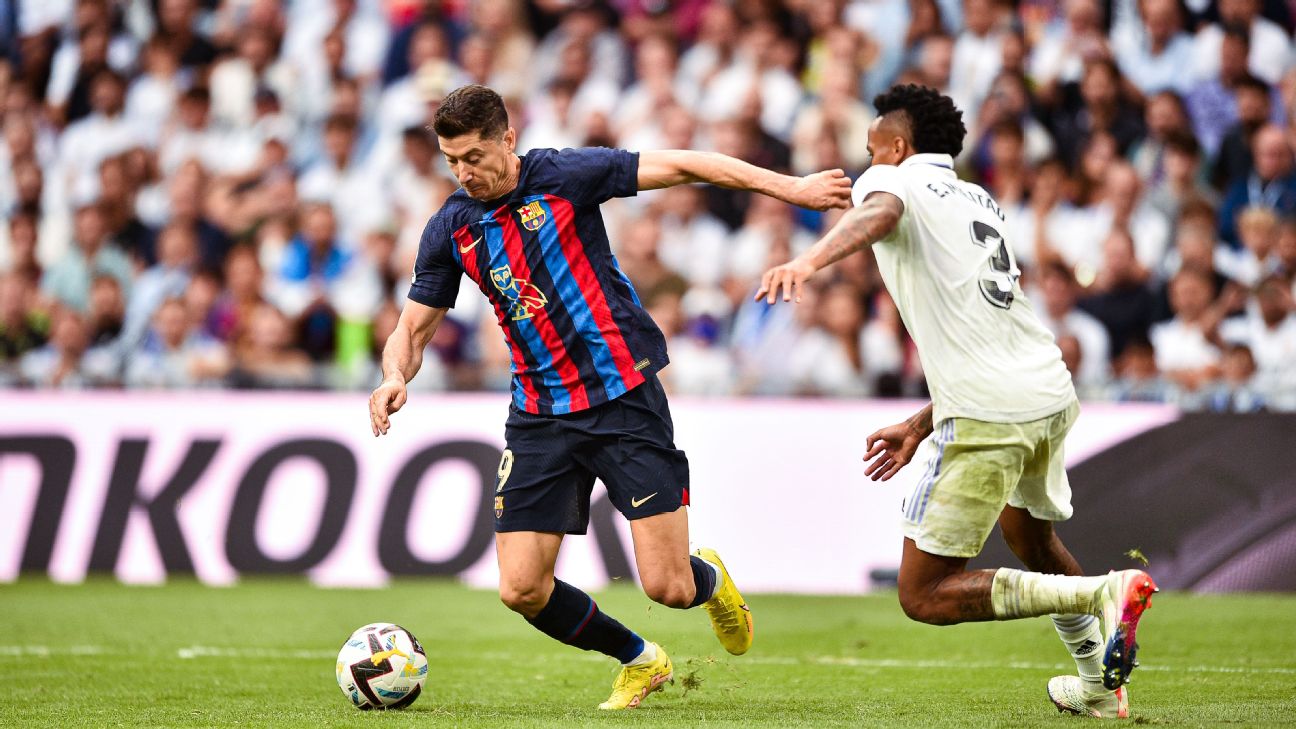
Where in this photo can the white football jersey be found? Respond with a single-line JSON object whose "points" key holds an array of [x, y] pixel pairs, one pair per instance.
{"points": [[950, 268]]}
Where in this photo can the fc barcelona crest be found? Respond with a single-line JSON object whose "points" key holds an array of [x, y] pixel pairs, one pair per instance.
{"points": [[533, 216]]}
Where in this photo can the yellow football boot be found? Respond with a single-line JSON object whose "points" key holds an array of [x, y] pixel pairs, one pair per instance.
{"points": [[731, 619], [636, 682]]}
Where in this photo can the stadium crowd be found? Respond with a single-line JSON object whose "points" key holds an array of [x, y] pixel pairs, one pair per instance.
{"points": [[230, 193]]}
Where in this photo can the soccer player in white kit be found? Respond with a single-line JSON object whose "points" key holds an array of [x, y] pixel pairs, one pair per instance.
{"points": [[1002, 403]]}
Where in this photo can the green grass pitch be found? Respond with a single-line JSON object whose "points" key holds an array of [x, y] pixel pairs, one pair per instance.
{"points": [[261, 654]]}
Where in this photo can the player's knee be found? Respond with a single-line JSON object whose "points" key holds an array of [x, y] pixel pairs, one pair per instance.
{"points": [[919, 604], [676, 593], [524, 597]]}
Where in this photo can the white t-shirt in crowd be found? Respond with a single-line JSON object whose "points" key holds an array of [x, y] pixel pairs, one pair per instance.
{"points": [[1182, 346], [953, 277]]}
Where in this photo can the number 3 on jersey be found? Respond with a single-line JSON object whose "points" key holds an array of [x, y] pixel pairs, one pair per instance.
{"points": [[997, 283]]}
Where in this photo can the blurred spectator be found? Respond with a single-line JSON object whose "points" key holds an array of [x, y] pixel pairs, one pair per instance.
{"points": [[1271, 46], [1138, 379], [176, 20], [884, 342], [1211, 100], [174, 354], [1235, 390], [1061, 55], [1120, 297], [1099, 109], [1186, 349], [1118, 205], [1059, 292], [22, 327], [1165, 116], [760, 77], [1182, 181], [236, 80], [321, 279], [177, 258], [266, 357], [59, 364], [826, 359], [187, 191], [117, 199], [978, 54], [1155, 57], [239, 298], [1258, 231], [68, 281], [18, 247], [101, 134], [694, 243], [106, 349], [283, 150], [1268, 331], [1195, 250], [837, 113], [152, 94], [1271, 185], [1234, 159], [341, 180]]}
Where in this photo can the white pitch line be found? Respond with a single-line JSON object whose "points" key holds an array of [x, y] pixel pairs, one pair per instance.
{"points": [[44, 651], [1017, 665], [203, 651]]}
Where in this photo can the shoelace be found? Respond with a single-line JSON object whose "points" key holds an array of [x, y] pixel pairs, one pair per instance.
{"points": [[726, 613], [623, 679]]}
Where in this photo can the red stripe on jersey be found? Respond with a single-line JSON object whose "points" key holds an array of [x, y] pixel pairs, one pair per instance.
{"points": [[463, 238], [563, 363], [574, 250]]}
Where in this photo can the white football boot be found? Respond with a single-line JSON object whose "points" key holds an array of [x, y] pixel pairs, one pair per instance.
{"points": [[1068, 693]]}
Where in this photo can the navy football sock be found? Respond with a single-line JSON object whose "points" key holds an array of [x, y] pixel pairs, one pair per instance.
{"points": [[704, 579], [572, 617]]}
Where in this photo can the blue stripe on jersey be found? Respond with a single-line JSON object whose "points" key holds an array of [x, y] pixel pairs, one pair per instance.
{"points": [[634, 295], [573, 299], [524, 327], [518, 393]]}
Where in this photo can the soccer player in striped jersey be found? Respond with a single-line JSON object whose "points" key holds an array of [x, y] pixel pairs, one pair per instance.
{"points": [[586, 402], [1002, 404]]}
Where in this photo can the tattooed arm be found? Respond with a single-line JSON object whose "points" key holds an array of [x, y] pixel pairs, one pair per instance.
{"points": [[861, 226]]}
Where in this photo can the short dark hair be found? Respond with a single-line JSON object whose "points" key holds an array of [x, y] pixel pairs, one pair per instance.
{"points": [[1239, 33], [1252, 83], [1183, 142], [935, 123], [1008, 128], [472, 108]]}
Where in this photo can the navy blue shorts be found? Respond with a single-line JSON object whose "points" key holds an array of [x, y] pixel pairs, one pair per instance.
{"points": [[551, 461]]}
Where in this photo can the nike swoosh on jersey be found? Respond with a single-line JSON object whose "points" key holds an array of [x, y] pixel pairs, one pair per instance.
{"points": [[636, 503], [465, 249]]}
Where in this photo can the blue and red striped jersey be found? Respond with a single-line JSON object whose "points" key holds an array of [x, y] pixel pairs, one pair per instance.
{"points": [[574, 325]]}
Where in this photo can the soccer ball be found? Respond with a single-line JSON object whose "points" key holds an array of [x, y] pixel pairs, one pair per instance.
{"points": [[382, 666]]}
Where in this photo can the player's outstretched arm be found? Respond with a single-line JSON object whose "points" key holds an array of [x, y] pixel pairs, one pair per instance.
{"points": [[892, 447], [861, 226], [667, 168], [402, 357]]}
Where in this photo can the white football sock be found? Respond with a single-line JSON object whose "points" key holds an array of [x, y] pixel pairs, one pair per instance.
{"points": [[718, 578], [1084, 641], [1018, 594], [648, 655]]}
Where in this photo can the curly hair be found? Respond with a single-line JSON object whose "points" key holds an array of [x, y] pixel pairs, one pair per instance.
{"points": [[936, 124]]}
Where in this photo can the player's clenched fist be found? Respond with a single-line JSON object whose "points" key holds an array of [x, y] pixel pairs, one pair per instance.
{"points": [[790, 277], [823, 190], [389, 397]]}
